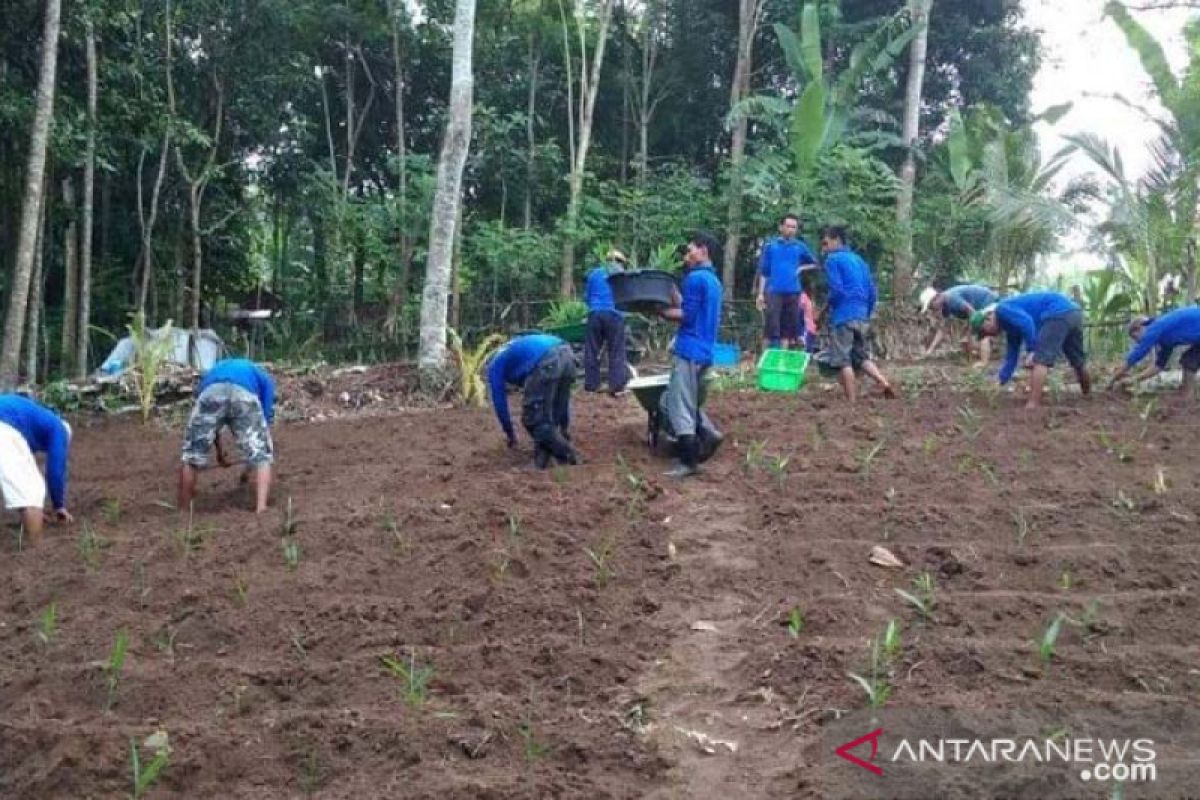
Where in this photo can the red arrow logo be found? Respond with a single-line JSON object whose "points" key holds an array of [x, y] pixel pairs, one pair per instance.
{"points": [[873, 738]]}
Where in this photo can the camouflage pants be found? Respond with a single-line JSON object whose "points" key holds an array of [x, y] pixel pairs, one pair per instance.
{"points": [[227, 404]]}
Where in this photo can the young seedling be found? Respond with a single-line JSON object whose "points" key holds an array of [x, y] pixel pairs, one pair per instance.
{"points": [[287, 527], [241, 591], [514, 525], [533, 748], [114, 666], [1021, 524], [929, 445], [189, 538], [141, 586], [110, 509], [400, 541], [1065, 581], [164, 642], [601, 558], [795, 622], [989, 472], [922, 597], [1145, 414], [1160, 480], [1114, 447], [754, 454], [865, 461], [144, 775], [47, 625], [291, 552], [970, 424], [310, 773], [414, 680], [777, 466], [89, 546], [884, 650], [1050, 639]]}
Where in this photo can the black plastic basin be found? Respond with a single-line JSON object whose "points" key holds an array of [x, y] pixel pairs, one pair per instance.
{"points": [[645, 290]]}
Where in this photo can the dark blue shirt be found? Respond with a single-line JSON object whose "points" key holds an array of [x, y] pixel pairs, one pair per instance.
{"points": [[851, 287], [45, 433], [780, 264], [959, 301], [246, 374], [701, 315], [597, 293], [1171, 330], [513, 365], [1021, 316]]}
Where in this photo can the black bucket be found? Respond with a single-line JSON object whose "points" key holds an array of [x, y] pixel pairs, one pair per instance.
{"points": [[643, 291]]}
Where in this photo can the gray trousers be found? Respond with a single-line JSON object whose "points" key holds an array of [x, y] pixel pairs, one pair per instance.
{"points": [[681, 402]]}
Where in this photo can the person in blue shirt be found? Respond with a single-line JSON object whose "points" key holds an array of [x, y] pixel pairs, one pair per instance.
{"points": [[778, 288], [1048, 325], [1178, 328], [27, 427], [240, 394], [958, 302], [851, 303], [605, 329], [698, 312], [544, 367]]}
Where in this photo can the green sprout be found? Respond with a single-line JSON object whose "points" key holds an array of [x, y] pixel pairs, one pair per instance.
{"points": [[414, 679]]}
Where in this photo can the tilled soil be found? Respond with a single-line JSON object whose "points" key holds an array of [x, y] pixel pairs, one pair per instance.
{"points": [[592, 631]]}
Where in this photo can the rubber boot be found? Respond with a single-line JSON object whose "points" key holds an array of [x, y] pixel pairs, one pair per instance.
{"points": [[687, 449]]}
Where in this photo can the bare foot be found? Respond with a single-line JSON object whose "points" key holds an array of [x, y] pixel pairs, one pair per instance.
{"points": [[889, 392]]}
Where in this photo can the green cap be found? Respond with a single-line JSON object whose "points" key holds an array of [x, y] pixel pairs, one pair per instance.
{"points": [[977, 319]]}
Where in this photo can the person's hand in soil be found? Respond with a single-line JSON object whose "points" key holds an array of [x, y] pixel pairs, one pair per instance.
{"points": [[62, 515], [511, 441]]}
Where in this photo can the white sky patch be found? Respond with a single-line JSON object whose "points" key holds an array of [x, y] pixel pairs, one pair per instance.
{"points": [[1087, 60]]}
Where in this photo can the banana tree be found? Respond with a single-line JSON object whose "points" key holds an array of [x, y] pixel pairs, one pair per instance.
{"points": [[828, 104], [1002, 171], [1178, 186]]}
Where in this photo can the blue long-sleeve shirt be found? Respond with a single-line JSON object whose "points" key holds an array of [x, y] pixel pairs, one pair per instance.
{"points": [[780, 263], [44, 432], [246, 374], [597, 293], [697, 335], [959, 301], [851, 288], [1171, 330], [1021, 316], [513, 365]]}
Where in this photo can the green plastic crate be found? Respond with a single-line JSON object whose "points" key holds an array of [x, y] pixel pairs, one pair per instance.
{"points": [[782, 370]]}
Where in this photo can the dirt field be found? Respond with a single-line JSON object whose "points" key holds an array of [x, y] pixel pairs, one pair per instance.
{"points": [[587, 628]]}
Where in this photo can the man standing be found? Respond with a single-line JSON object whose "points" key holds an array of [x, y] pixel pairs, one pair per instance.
{"points": [[778, 283], [959, 302], [1178, 328], [1049, 325], [605, 329], [26, 428], [851, 303], [545, 367], [698, 313], [239, 394]]}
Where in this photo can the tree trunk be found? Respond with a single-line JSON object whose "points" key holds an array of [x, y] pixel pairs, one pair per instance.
{"points": [[456, 274], [399, 293], [902, 277], [70, 280], [37, 294], [749, 17], [85, 232], [18, 297], [447, 198], [148, 220], [530, 140], [589, 85]]}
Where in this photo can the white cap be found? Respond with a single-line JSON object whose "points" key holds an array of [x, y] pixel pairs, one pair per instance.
{"points": [[927, 295]]}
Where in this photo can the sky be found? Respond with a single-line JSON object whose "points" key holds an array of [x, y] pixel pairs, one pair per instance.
{"points": [[1086, 58]]}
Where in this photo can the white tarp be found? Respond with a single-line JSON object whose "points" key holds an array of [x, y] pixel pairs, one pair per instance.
{"points": [[199, 350]]}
